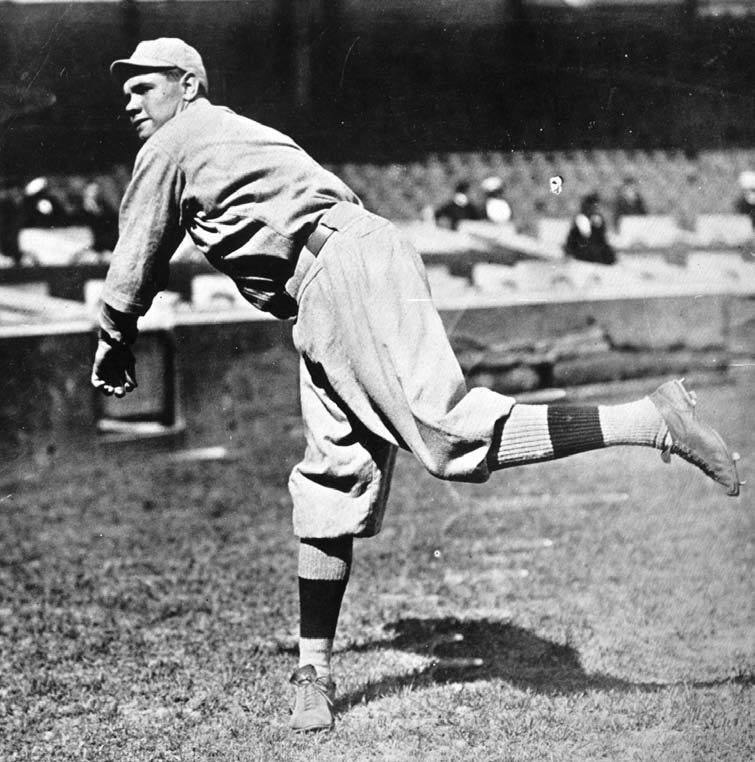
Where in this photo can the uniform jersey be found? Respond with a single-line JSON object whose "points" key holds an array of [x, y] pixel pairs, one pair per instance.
{"points": [[377, 370], [247, 195]]}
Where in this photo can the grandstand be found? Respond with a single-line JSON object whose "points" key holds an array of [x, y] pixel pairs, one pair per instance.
{"points": [[673, 182], [403, 103], [690, 200], [687, 188]]}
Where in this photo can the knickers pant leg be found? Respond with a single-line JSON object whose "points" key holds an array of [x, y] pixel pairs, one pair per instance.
{"points": [[341, 486], [367, 317]]}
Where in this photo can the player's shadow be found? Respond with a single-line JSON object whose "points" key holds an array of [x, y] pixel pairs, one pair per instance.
{"points": [[466, 651]]}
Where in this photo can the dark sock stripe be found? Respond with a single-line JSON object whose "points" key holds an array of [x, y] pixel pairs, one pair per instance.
{"points": [[574, 429], [319, 606]]}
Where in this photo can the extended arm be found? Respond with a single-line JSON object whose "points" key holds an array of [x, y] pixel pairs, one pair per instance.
{"points": [[149, 234]]}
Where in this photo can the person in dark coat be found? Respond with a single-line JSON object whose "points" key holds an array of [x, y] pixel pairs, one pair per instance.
{"points": [[587, 237], [458, 208]]}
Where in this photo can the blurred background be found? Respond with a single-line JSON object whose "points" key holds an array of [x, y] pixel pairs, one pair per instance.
{"points": [[590, 161], [361, 80], [398, 80]]}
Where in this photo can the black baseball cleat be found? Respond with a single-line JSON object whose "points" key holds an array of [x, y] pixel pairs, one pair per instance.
{"points": [[691, 439], [313, 705]]}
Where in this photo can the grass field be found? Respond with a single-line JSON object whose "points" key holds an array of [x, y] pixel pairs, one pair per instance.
{"points": [[597, 608]]}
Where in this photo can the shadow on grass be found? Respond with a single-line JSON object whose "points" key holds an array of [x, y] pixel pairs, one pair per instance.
{"points": [[467, 651]]}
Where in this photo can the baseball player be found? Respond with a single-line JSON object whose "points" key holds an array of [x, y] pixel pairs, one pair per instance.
{"points": [[377, 370]]}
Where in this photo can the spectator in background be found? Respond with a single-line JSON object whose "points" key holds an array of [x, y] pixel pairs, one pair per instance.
{"points": [[497, 209], [587, 237], [43, 206], [628, 201], [101, 215], [746, 202], [10, 222], [459, 208]]}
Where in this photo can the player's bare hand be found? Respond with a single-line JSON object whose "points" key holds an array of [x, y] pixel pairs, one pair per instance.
{"points": [[114, 368]]}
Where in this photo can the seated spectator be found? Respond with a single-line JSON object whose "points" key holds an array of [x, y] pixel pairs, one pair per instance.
{"points": [[10, 223], [746, 202], [628, 201], [42, 206], [101, 215], [497, 209], [587, 237], [459, 208]]}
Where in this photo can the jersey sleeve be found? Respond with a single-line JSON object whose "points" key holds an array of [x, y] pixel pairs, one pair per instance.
{"points": [[148, 235]]}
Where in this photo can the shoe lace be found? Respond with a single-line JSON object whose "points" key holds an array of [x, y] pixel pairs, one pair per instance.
{"points": [[313, 691], [691, 457]]}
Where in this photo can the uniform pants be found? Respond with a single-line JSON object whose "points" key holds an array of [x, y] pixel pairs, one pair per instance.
{"points": [[377, 373]]}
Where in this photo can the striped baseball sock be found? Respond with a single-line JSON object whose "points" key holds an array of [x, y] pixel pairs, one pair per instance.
{"points": [[533, 433], [324, 567]]}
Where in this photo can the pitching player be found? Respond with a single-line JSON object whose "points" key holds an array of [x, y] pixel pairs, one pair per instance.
{"points": [[377, 370]]}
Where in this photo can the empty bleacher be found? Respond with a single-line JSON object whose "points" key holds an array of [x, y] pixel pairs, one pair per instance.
{"points": [[673, 183]]}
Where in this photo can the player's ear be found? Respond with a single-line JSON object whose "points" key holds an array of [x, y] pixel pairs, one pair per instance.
{"points": [[190, 86]]}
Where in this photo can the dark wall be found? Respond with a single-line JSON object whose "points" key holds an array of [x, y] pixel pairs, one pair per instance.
{"points": [[246, 381], [46, 401], [390, 80], [66, 49]]}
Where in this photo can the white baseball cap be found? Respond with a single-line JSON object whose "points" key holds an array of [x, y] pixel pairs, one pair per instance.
{"points": [[163, 53]]}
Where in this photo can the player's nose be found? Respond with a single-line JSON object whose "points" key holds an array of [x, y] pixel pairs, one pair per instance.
{"points": [[132, 105]]}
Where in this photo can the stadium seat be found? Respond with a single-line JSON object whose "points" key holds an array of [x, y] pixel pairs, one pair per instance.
{"points": [[671, 182], [498, 280], [55, 246], [503, 236], [553, 230], [654, 270], [445, 286], [723, 229], [215, 292], [648, 231], [428, 238], [544, 279], [30, 304], [721, 272], [581, 277]]}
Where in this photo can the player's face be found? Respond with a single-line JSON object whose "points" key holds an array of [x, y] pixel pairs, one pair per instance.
{"points": [[152, 99]]}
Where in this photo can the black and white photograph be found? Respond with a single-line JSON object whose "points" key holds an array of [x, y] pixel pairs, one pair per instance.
{"points": [[377, 380]]}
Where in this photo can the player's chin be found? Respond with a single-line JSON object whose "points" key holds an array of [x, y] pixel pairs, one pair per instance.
{"points": [[144, 130]]}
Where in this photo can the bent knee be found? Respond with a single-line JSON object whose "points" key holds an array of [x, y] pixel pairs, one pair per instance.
{"points": [[449, 466]]}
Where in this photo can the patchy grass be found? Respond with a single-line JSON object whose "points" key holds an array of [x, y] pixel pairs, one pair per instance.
{"points": [[594, 608]]}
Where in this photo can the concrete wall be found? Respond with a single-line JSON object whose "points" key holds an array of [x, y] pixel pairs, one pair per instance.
{"points": [[46, 402], [233, 375], [224, 372], [664, 322]]}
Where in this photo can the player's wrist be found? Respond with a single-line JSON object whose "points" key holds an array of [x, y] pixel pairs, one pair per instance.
{"points": [[114, 341], [117, 328]]}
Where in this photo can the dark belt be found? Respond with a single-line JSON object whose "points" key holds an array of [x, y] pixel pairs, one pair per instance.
{"points": [[318, 238]]}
